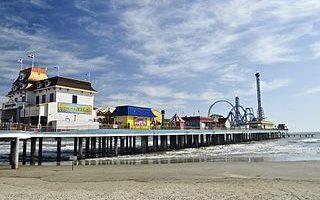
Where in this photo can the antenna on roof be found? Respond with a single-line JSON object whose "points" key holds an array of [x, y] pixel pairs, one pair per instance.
{"points": [[20, 61], [58, 70], [88, 77], [31, 55]]}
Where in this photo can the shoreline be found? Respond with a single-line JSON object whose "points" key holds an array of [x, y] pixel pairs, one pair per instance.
{"points": [[205, 180]]}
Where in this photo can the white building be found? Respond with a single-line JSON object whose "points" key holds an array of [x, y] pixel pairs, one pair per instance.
{"points": [[57, 102]]}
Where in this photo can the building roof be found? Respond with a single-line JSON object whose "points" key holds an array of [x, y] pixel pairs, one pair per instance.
{"points": [[66, 82], [32, 74], [200, 118], [176, 118], [36, 78], [133, 111]]}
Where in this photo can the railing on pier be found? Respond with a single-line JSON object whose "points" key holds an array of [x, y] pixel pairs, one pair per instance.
{"points": [[32, 128]]}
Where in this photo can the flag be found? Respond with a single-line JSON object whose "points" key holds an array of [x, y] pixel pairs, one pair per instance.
{"points": [[19, 60], [30, 56]]}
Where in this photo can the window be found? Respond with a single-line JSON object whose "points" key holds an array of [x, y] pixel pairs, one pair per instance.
{"points": [[21, 77], [47, 83], [51, 97], [23, 99], [16, 99], [74, 99], [43, 98], [37, 99], [22, 85], [39, 85]]}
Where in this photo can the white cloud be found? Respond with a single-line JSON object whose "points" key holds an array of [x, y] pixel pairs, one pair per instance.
{"points": [[41, 3], [234, 73], [316, 49], [314, 90], [268, 50], [266, 86]]}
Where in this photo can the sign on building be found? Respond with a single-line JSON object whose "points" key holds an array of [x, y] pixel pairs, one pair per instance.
{"points": [[140, 121], [74, 108]]}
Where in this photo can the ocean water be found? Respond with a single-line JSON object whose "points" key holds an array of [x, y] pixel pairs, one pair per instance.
{"points": [[285, 149]]}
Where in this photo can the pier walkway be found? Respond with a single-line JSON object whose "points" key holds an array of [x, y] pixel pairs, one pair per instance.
{"points": [[114, 142]]}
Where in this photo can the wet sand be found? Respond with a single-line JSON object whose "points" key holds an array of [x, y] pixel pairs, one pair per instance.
{"points": [[212, 180]]}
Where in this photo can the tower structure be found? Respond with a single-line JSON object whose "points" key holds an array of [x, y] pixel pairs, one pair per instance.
{"points": [[237, 116], [260, 109]]}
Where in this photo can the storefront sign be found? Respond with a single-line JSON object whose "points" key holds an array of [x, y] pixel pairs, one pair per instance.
{"points": [[140, 121], [74, 108]]}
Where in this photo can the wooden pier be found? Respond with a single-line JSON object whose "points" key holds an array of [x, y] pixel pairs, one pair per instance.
{"points": [[105, 142]]}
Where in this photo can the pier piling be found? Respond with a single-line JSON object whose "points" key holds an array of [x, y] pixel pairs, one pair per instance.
{"points": [[155, 143], [80, 149], [103, 146], [75, 147], [144, 144], [33, 151], [121, 145], [15, 153], [116, 149], [58, 149], [40, 151], [87, 147], [24, 152], [173, 140], [127, 144], [163, 142], [134, 140]]}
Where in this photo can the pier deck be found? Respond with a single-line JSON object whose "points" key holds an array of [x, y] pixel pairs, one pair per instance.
{"points": [[114, 142]]}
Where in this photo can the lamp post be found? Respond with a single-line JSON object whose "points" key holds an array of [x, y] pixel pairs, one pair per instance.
{"points": [[24, 101]]}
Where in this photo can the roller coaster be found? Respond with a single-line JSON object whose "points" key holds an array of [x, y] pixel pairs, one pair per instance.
{"points": [[238, 115]]}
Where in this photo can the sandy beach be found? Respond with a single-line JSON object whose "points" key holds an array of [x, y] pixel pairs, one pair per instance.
{"points": [[216, 180]]}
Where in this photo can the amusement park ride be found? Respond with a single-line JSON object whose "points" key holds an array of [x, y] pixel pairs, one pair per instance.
{"points": [[240, 116]]}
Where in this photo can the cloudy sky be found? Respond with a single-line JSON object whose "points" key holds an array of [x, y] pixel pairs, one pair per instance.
{"points": [[180, 56]]}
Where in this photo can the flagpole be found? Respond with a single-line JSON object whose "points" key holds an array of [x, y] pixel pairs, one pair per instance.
{"points": [[20, 61], [58, 68], [32, 59]]}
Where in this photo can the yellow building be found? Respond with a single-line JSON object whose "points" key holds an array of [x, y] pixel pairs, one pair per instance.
{"points": [[261, 124], [158, 117], [133, 117]]}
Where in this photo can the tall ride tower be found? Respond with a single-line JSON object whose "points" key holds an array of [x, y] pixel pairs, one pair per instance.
{"points": [[260, 109]]}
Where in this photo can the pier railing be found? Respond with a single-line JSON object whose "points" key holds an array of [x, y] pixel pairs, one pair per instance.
{"points": [[27, 127]]}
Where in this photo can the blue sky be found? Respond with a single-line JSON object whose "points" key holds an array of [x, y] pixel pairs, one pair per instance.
{"points": [[180, 56]]}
